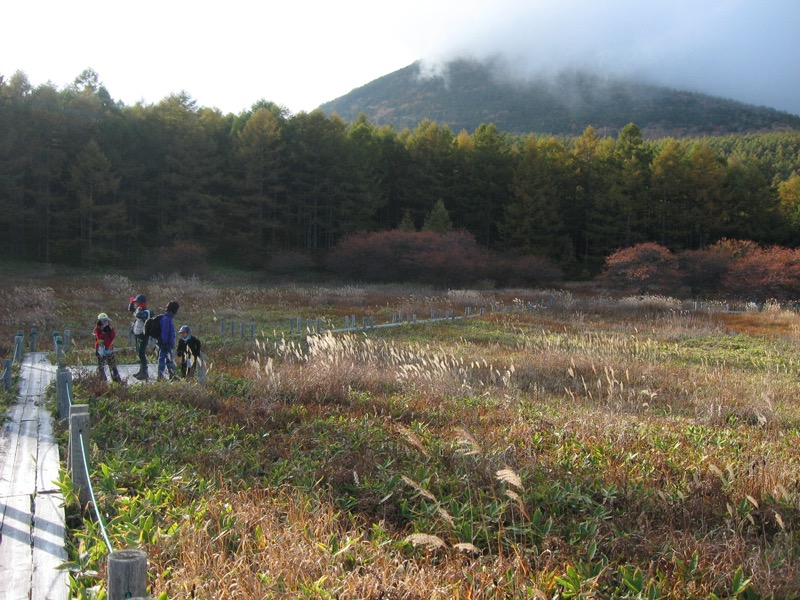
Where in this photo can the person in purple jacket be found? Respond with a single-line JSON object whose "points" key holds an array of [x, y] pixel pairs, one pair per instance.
{"points": [[166, 342]]}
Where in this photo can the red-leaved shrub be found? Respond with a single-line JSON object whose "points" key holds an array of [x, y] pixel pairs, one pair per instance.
{"points": [[644, 268], [703, 271], [524, 270], [290, 263], [765, 273], [451, 258], [181, 258]]}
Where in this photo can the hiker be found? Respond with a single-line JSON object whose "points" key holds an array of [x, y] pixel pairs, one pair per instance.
{"points": [[166, 341], [104, 335], [138, 306], [188, 351]]}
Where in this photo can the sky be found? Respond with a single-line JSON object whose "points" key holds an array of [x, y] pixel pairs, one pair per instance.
{"points": [[301, 53]]}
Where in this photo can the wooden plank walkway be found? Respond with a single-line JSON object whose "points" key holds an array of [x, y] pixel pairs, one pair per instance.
{"points": [[32, 527], [32, 523]]}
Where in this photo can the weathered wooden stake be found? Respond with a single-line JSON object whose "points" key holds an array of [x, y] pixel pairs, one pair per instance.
{"points": [[63, 391], [34, 338], [67, 336], [201, 370], [78, 428], [18, 344], [127, 574]]}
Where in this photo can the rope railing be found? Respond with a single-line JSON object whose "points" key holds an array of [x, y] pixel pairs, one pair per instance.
{"points": [[92, 496], [127, 569], [6, 376]]}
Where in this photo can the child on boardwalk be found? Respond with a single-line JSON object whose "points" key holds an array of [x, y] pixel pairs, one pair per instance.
{"points": [[188, 351], [104, 334]]}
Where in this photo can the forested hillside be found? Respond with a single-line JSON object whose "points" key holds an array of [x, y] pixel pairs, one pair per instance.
{"points": [[87, 180], [464, 94]]}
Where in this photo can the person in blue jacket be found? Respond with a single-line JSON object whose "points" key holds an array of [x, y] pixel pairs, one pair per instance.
{"points": [[166, 342]]}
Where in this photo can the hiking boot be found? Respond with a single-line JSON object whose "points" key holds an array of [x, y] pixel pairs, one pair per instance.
{"points": [[141, 376]]}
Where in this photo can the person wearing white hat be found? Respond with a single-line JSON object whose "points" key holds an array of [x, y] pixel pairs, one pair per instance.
{"points": [[104, 334]]}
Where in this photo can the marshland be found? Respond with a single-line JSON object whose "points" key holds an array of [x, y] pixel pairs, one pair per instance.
{"points": [[558, 443]]}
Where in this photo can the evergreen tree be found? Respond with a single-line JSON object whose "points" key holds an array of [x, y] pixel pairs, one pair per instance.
{"points": [[533, 222], [438, 220]]}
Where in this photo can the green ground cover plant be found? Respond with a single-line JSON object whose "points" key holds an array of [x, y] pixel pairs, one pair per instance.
{"points": [[561, 445]]}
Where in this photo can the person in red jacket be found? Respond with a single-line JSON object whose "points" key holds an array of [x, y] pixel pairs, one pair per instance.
{"points": [[104, 335]]}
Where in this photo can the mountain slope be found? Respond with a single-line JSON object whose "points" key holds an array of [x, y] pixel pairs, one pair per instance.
{"points": [[470, 93]]}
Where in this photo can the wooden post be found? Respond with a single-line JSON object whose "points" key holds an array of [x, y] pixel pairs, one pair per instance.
{"points": [[34, 338], [59, 350], [18, 343], [62, 399], [201, 369], [127, 574], [67, 336], [222, 329], [79, 428], [252, 329]]}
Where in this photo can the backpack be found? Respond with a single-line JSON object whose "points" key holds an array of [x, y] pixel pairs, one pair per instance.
{"points": [[152, 327]]}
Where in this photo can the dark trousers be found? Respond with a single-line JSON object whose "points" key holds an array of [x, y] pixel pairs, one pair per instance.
{"points": [[141, 350], [111, 361]]}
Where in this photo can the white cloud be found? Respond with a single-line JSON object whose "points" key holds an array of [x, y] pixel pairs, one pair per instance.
{"points": [[301, 54]]}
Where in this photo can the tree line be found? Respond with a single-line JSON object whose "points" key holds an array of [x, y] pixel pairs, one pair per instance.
{"points": [[85, 179]]}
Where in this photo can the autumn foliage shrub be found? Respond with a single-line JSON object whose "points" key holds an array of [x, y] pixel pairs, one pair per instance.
{"points": [[180, 258], [290, 263], [703, 271], [764, 273], [451, 258], [524, 270], [644, 268]]}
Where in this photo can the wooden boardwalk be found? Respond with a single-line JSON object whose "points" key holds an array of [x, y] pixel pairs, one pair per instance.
{"points": [[32, 527]]}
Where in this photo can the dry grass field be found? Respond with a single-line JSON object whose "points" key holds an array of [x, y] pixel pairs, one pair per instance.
{"points": [[564, 444]]}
